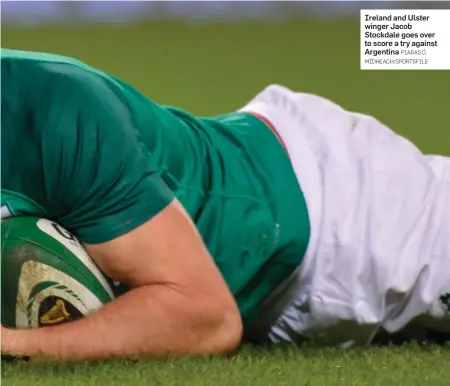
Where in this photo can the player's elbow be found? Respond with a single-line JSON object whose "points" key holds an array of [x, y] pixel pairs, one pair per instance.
{"points": [[233, 333], [225, 333]]}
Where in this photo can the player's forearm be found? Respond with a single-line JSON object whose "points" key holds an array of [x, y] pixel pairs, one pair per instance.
{"points": [[153, 321]]}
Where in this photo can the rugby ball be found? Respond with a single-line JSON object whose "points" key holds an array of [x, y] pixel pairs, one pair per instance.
{"points": [[47, 276]]}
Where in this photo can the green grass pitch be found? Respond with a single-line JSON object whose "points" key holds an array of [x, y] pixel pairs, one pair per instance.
{"points": [[211, 69], [410, 365]]}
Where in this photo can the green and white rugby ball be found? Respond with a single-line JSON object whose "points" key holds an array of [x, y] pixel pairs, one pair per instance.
{"points": [[47, 276]]}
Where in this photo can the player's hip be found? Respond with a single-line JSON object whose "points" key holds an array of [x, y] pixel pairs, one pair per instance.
{"points": [[379, 213], [350, 293]]}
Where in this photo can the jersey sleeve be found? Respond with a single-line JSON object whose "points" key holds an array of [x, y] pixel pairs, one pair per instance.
{"points": [[99, 179]]}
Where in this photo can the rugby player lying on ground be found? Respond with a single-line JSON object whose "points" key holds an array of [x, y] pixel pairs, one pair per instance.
{"points": [[291, 220]]}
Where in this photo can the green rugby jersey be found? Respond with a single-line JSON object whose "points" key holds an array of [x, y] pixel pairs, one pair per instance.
{"points": [[89, 151]]}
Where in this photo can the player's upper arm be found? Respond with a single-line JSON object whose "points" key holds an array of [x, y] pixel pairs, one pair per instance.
{"points": [[168, 255]]}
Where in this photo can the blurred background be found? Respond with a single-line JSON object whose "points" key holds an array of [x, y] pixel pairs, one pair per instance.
{"points": [[212, 57]]}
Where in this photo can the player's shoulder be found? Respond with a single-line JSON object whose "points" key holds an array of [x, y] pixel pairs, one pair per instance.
{"points": [[8, 54], [47, 61], [49, 84], [52, 99], [46, 71], [22, 63]]}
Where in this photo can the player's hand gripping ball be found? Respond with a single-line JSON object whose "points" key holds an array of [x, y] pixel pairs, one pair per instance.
{"points": [[47, 276]]}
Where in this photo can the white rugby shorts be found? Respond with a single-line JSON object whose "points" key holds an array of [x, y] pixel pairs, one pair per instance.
{"points": [[379, 253]]}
